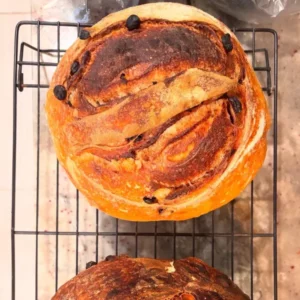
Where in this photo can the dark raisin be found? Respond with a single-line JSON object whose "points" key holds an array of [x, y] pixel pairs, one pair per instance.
{"points": [[227, 43], [84, 34], [236, 104], [123, 78], [132, 153], [232, 152], [133, 22], [154, 82], [75, 67], [90, 264], [110, 257], [131, 138], [150, 200], [160, 210], [86, 57], [60, 92], [136, 138], [139, 138]]}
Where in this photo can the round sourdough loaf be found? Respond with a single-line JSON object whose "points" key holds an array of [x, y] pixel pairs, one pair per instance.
{"points": [[123, 278], [156, 114]]}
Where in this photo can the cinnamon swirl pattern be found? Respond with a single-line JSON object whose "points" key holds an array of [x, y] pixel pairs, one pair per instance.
{"points": [[156, 114]]}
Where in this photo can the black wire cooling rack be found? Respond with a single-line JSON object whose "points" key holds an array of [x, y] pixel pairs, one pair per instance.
{"points": [[221, 238]]}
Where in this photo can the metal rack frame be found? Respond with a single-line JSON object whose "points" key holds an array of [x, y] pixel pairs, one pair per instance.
{"points": [[19, 85]]}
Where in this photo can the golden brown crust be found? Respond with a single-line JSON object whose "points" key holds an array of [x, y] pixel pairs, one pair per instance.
{"points": [[162, 114], [145, 278]]}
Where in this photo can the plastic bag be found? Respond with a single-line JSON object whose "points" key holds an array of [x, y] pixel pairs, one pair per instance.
{"points": [[97, 9], [82, 11], [254, 11]]}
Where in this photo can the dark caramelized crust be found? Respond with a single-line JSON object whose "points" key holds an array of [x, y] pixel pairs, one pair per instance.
{"points": [[144, 278], [202, 150], [156, 52], [166, 110], [148, 49]]}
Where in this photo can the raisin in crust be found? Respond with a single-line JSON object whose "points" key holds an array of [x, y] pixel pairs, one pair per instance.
{"points": [[163, 122], [145, 278]]}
